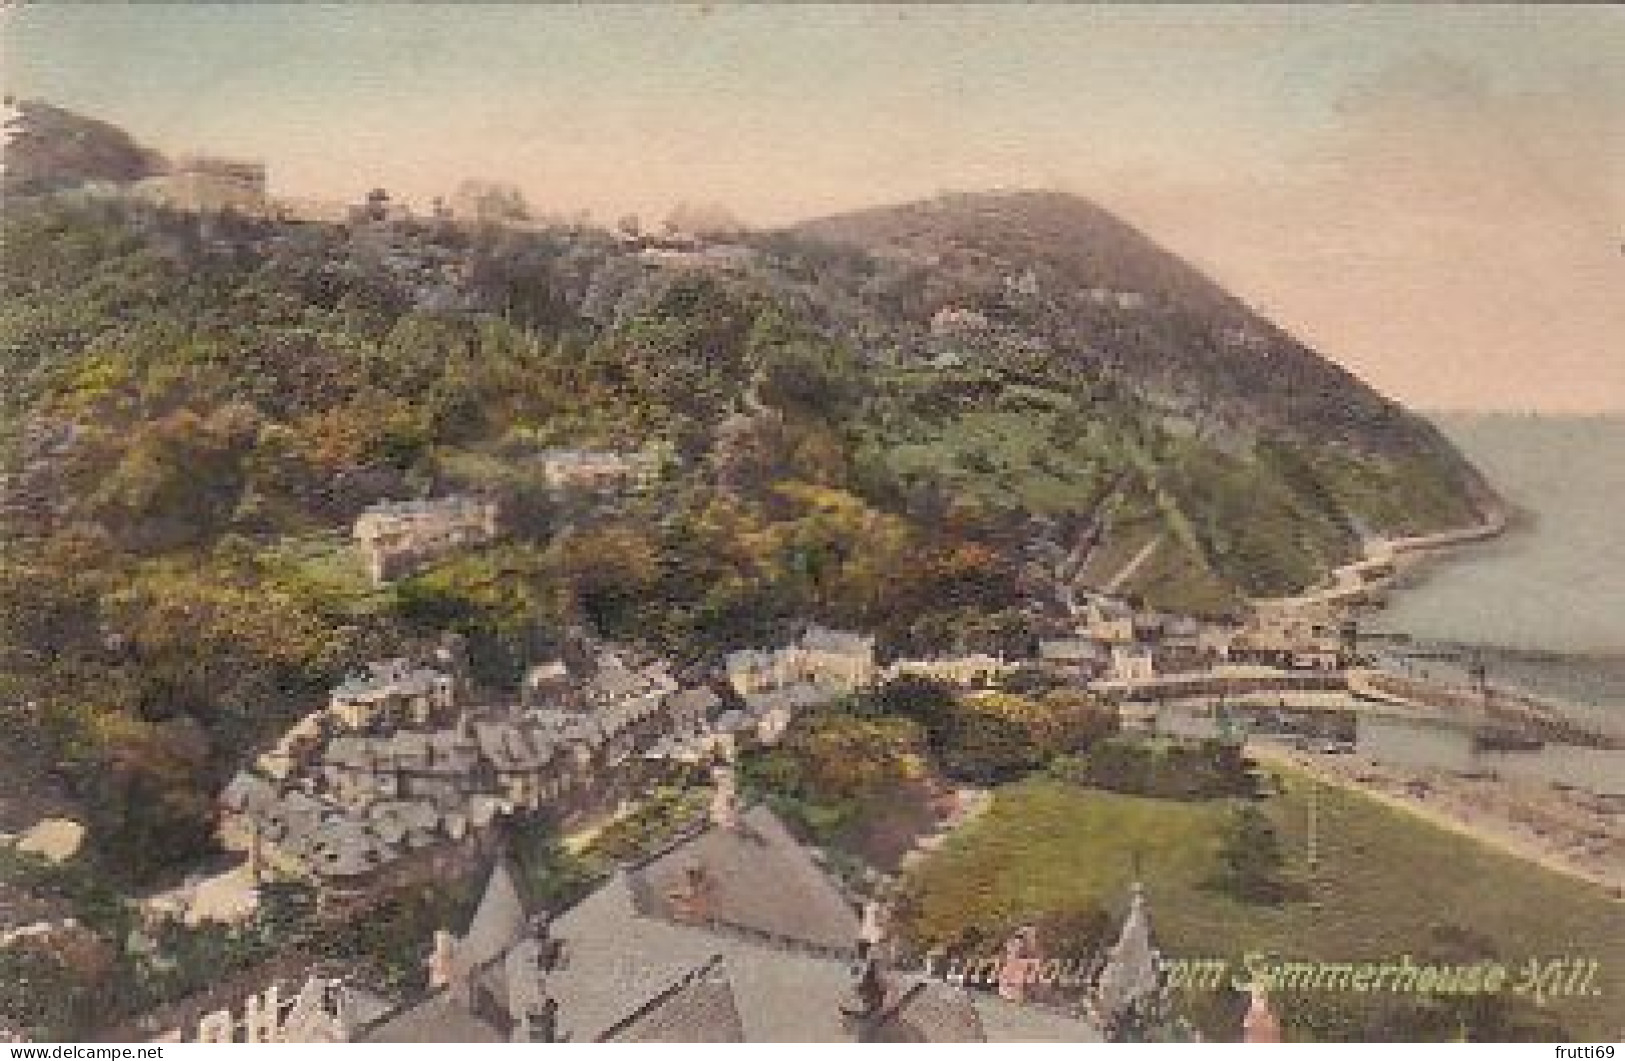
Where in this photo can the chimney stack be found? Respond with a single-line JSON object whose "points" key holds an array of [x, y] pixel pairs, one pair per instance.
{"points": [[691, 900], [872, 931], [725, 801], [865, 1002], [442, 963]]}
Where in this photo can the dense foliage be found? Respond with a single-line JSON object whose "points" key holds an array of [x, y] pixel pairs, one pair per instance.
{"points": [[1163, 767]]}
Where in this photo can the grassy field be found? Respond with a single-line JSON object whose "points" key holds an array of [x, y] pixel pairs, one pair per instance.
{"points": [[1389, 884], [327, 566]]}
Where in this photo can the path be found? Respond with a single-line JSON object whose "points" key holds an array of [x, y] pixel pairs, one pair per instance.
{"points": [[1132, 568], [971, 804]]}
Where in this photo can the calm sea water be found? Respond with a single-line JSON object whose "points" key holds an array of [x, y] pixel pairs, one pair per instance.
{"points": [[1547, 600]]}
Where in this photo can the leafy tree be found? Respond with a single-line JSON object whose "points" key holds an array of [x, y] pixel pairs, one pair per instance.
{"points": [[1251, 857]]}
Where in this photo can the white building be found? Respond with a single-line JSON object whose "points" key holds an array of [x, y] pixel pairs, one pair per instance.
{"points": [[970, 671], [1132, 663]]}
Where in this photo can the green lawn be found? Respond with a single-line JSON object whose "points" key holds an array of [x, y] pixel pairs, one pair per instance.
{"points": [[327, 567], [1390, 882]]}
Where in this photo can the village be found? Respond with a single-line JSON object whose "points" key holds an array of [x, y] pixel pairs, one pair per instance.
{"points": [[566, 814]]}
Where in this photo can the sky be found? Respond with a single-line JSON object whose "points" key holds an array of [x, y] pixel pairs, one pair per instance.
{"points": [[1432, 195]]}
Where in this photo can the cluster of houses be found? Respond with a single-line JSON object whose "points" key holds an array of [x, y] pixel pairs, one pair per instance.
{"points": [[1116, 646], [399, 763]]}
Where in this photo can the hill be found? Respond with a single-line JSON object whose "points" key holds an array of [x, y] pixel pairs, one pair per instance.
{"points": [[1212, 402], [1090, 284], [893, 421]]}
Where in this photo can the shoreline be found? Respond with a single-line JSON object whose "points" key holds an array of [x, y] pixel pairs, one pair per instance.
{"points": [[1384, 561], [1565, 831]]}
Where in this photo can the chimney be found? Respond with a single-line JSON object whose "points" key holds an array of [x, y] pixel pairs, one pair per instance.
{"points": [[1260, 1025], [539, 1023], [865, 1001], [872, 931], [691, 900], [725, 801], [442, 963]]}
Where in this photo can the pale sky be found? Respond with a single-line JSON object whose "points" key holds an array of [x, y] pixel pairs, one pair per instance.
{"points": [[1432, 195]]}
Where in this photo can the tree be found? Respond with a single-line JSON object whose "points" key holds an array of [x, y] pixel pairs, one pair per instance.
{"points": [[1251, 857], [490, 202]]}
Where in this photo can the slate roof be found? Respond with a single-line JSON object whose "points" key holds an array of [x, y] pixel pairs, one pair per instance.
{"points": [[440, 1018], [497, 923], [761, 880], [699, 1007], [614, 957], [423, 506], [700, 699], [823, 639]]}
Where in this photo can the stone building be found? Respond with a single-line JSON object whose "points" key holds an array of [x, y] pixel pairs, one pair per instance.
{"points": [[834, 661], [1109, 622], [396, 536], [207, 184]]}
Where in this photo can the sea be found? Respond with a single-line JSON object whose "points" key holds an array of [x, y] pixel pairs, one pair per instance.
{"points": [[1544, 605]]}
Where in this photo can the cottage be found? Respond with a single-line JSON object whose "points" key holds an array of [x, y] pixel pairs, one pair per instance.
{"points": [[1109, 622], [688, 713], [396, 536], [599, 470]]}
